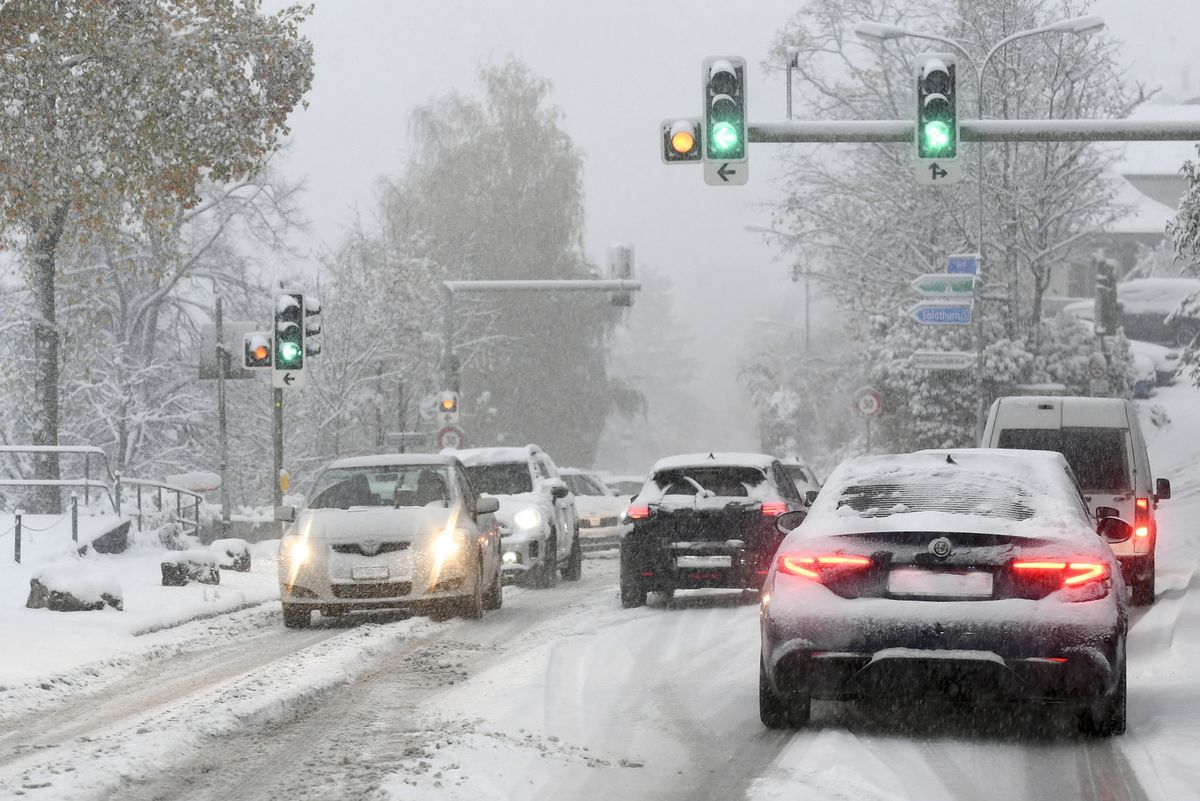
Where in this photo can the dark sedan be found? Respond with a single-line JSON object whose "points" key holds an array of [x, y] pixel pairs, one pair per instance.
{"points": [[966, 571]]}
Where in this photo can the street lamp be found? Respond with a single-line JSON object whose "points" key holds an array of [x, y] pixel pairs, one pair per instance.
{"points": [[882, 32]]}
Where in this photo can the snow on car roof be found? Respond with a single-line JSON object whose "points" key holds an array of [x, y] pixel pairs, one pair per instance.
{"points": [[389, 459], [473, 456], [759, 460], [978, 490]]}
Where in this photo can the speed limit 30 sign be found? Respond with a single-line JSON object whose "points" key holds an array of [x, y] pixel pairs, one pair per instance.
{"points": [[868, 402], [451, 437]]}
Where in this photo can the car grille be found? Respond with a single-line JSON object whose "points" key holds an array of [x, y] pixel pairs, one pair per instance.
{"points": [[600, 522], [356, 548], [390, 589]]}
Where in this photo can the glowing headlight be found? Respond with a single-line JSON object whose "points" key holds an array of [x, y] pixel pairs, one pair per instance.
{"points": [[298, 551], [510, 557], [528, 518], [447, 544]]}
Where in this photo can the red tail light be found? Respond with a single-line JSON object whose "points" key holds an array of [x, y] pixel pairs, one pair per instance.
{"points": [[819, 568], [1141, 517], [1066, 574], [773, 509], [638, 512]]}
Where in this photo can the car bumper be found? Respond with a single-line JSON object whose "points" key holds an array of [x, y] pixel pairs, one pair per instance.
{"points": [[522, 557], [325, 584], [1040, 650]]}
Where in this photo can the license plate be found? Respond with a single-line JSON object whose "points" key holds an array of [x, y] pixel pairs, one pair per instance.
{"points": [[369, 573], [703, 561], [940, 583]]}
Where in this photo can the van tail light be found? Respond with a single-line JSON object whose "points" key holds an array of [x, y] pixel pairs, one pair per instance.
{"points": [[1055, 574], [821, 567], [638, 512], [773, 509], [1141, 517]]}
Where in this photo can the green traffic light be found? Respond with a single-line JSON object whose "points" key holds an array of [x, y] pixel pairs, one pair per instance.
{"points": [[937, 136], [724, 136], [289, 352]]}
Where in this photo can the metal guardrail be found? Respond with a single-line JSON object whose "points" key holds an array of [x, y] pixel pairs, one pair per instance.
{"points": [[112, 488]]}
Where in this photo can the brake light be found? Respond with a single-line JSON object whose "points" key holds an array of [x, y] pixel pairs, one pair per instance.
{"points": [[1066, 574], [638, 512], [819, 568], [773, 509], [1141, 517]]}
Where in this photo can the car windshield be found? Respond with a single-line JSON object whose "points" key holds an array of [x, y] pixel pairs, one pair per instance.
{"points": [[1098, 456], [582, 485], [391, 485], [504, 478], [626, 487], [727, 481]]}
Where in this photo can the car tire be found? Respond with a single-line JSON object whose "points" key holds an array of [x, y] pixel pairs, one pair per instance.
{"points": [[296, 617], [667, 595], [633, 591], [494, 598], [548, 571], [1142, 586], [471, 607], [574, 569], [1106, 717], [780, 713]]}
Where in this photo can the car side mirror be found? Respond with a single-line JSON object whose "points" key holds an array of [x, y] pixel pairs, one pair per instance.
{"points": [[487, 505], [1162, 489], [285, 514], [811, 496], [788, 521], [1103, 512], [1114, 529], [558, 492]]}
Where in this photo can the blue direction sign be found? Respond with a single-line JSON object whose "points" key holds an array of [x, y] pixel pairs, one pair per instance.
{"points": [[963, 264], [929, 313]]}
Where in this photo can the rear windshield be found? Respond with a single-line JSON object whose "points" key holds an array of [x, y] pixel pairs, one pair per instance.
{"points": [[990, 496], [506, 478], [1097, 455], [723, 482], [392, 485]]}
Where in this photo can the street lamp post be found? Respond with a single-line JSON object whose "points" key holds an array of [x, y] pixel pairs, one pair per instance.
{"points": [[880, 32]]}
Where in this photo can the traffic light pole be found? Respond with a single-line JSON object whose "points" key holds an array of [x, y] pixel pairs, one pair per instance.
{"points": [[222, 420], [277, 437]]}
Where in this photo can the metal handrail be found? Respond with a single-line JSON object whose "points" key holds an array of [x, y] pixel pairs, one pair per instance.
{"points": [[139, 483], [86, 483]]}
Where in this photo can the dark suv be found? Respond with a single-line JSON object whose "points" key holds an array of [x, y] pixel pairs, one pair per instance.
{"points": [[705, 521]]}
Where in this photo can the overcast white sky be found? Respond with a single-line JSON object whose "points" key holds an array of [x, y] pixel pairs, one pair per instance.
{"points": [[618, 68]]}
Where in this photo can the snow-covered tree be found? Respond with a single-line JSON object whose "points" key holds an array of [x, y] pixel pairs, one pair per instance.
{"points": [[115, 114], [1184, 231]]}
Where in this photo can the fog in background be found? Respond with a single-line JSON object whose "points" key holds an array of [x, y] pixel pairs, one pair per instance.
{"points": [[618, 69]]}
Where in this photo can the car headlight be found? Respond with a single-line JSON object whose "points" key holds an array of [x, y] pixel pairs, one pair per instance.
{"points": [[448, 543], [297, 551], [510, 558], [528, 518]]}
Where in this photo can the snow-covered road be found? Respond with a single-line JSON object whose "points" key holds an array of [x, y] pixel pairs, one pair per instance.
{"points": [[563, 694]]}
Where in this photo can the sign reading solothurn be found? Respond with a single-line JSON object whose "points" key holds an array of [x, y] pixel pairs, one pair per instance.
{"points": [[931, 313]]}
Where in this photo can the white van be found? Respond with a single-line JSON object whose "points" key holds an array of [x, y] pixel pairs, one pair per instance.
{"points": [[1103, 443]]}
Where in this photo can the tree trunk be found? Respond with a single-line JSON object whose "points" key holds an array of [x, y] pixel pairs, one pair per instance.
{"points": [[47, 235]]}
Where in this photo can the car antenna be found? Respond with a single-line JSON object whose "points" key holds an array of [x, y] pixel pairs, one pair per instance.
{"points": [[950, 459]]}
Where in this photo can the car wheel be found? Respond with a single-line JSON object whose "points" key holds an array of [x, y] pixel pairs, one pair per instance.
{"points": [[1142, 590], [1106, 717], [548, 571], [296, 617], [779, 713], [494, 598], [667, 595], [574, 569], [471, 607], [633, 591]]}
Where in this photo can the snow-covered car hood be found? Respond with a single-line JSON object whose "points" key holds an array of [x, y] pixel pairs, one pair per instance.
{"points": [[370, 522]]}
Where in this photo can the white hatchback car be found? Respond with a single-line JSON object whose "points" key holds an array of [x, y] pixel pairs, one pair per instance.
{"points": [[601, 511], [391, 531]]}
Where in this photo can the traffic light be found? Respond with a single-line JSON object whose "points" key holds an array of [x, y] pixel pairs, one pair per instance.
{"points": [[1107, 312], [448, 407], [256, 349], [937, 113], [289, 331], [681, 141], [312, 325], [725, 108]]}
